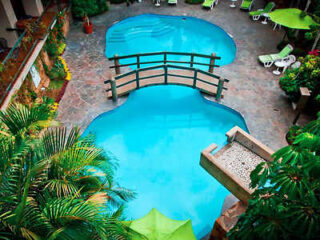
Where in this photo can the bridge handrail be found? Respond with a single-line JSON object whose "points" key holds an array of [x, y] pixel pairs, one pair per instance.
{"points": [[195, 78], [165, 60], [165, 52]]}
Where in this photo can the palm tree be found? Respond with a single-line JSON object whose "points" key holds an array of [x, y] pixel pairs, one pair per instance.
{"points": [[55, 184]]}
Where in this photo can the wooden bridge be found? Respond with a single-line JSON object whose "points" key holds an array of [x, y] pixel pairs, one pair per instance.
{"points": [[166, 73]]}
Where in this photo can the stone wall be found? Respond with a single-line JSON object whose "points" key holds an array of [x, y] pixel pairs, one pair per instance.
{"points": [[227, 221]]}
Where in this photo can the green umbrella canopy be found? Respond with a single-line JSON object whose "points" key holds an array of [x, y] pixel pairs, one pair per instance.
{"points": [[291, 18], [156, 226]]}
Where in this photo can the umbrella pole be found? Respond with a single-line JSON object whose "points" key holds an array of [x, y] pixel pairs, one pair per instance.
{"points": [[285, 34], [316, 42]]}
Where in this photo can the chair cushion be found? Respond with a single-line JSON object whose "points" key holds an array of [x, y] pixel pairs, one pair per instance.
{"points": [[246, 4]]}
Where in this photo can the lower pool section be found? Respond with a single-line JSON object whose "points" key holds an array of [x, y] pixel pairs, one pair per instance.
{"points": [[157, 137]]}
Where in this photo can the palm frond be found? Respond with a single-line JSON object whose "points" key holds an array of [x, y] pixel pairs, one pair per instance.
{"points": [[62, 187], [18, 118]]}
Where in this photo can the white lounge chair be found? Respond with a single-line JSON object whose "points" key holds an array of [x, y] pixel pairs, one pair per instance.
{"points": [[246, 5], [269, 59], [257, 14]]}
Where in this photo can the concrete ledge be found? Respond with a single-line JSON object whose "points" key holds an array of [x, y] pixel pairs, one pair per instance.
{"points": [[214, 164], [245, 139]]}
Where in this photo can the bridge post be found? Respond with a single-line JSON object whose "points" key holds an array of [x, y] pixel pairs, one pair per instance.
{"points": [[116, 63], [114, 89], [212, 60], [165, 58], [165, 74], [220, 88], [137, 78], [138, 61], [195, 76], [191, 60]]}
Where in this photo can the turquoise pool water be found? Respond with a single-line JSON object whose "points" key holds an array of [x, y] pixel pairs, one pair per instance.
{"points": [[155, 33], [157, 136]]}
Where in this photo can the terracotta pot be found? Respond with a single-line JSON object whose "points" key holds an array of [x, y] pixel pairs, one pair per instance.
{"points": [[88, 28]]}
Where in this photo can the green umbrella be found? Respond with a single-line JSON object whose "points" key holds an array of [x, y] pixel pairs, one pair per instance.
{"points": [[156, 226], [291, 18]]}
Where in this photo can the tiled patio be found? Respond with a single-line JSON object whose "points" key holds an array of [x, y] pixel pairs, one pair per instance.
{"points": [[253, 90]]}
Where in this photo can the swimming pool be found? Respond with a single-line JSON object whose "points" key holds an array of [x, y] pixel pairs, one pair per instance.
{"points": [[157, 135], [156, 33]]}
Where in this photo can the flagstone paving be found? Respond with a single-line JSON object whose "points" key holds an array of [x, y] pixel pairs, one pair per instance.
{"points": [[253, 90]]}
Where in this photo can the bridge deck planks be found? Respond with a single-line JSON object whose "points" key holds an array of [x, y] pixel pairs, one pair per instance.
{"points": [[203, 87]]}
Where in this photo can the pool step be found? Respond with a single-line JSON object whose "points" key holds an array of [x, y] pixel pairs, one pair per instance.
{"points": [[137, 32]]}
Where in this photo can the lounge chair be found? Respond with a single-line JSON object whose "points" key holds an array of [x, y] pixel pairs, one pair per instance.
{"points": [[256, 14], [246, 4], [209, 3], [173, 2], [268, 60]]}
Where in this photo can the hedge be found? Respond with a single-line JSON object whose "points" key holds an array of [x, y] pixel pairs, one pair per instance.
{"points": [[90, 7]]}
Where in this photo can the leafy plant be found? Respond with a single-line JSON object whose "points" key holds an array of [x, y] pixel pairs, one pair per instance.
{"points": [[307, 75], [286, 200], [55, 184], [57, 71], [55, 43], [89, 7], [293, 132]]}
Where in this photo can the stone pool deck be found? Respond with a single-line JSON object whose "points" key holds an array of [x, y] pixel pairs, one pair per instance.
{"points": [[253, 90]]}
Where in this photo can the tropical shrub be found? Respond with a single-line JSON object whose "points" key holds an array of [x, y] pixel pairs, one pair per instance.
{"points": [[89, 7], [307, 75], [55, 43], [293, 132], [286, 201], [55, 184], [57, 71]]}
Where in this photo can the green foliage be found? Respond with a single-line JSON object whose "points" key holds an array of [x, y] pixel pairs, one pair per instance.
{"points": [[307, 75], [56, 84], [89, 7], [55, 184], [57, 71], [293, 132], [286, 201], [20, 121], [56, 40]]}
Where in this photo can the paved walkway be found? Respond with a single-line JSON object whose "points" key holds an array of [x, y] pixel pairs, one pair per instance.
{"points": [[253, 90]]}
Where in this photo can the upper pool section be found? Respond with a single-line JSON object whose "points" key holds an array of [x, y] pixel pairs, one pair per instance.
{"points": [[156, 33]]}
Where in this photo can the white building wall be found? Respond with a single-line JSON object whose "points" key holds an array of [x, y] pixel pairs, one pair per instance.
{"points": [[7, 20], [33, 7]]}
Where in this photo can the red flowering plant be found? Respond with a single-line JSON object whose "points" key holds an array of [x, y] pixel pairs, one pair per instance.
{"points": [[314, 52], [55, 43]]}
